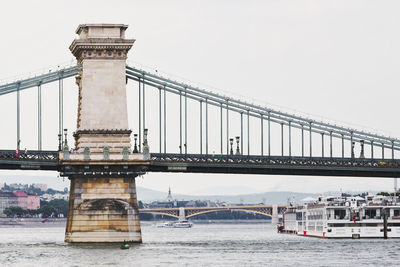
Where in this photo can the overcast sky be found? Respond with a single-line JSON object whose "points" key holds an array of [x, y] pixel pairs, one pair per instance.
{"points": [[334, 60]]}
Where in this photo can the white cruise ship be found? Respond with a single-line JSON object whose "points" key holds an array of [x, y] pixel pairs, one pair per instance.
{"points": [[345, 217]]}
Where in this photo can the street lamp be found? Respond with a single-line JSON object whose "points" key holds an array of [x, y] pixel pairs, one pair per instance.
{"points": [[231, 142], [135, 148], [362, 149], [146, 149], [237, 145], [145, 132], [59, 142], [65, 141]]}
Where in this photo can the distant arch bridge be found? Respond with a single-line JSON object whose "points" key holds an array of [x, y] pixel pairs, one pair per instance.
{"points": [[189, 212]]}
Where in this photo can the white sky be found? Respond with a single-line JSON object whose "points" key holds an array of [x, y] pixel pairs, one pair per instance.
{"points": [[333, 59]]}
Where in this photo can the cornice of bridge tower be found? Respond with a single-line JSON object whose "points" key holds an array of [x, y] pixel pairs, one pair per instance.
{"points": [[85, 27], [101, 41]]}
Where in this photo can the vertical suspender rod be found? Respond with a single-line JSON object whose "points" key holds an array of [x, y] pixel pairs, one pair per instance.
{"points": [[185, 122], [201, 127], [39, 116], [330, 144], [165, 121], [248, 132], [310, 141], [372, 149], [18, 118], [241, 133], [160, 120], [302, 140], [262, 136], [60, 108], [269, 134], [144, 107], [206, 126], [140, 117], [282, 137], [290, 139], [221, 131], [227, 128], [180, 122]]}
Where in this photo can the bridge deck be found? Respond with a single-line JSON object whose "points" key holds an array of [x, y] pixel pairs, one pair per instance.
{"points": [[194, 163]]}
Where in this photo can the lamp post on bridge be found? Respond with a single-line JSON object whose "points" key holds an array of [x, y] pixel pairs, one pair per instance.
{"points": [[146, 149], [362, 149], [59, 142], [231, 143], [237, 145], [135, 148], [65, 137]]}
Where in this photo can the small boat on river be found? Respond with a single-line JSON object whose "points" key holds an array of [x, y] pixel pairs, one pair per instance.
{"points": [[178, 224]]}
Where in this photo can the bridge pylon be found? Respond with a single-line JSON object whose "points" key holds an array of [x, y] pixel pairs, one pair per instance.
{"points": [[102, 169], [275, 217], [182, 214]]}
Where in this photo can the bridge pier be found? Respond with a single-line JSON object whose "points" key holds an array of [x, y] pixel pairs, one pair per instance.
{"points": [[182, 215], [103, 210], [103, 205], [275, 217]]}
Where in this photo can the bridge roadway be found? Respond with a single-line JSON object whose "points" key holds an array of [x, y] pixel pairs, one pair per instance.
{"points": [[196, 163]]}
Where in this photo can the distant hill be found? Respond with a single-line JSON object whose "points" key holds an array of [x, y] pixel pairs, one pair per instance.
{"points": [[148, 195]]}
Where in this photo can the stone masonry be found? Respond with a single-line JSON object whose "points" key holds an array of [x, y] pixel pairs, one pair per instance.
{"points": [[102, 50], [103, 210], [103, 206]]}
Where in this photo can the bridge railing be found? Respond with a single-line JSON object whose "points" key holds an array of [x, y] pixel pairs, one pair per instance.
{"points": [[215, 158], [274, 160], [30, 155]]}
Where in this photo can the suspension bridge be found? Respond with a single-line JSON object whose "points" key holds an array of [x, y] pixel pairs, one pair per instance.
{"points": [[102, 164]]}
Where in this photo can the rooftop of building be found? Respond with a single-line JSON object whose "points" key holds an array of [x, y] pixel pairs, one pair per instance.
{"points": [[20, 194]]}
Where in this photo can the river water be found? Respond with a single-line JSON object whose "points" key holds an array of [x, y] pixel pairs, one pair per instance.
{"points": [[202, 245]]}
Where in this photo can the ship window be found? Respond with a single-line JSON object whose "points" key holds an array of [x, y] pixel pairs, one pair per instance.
{"points": [[394, 224], [396, 213], [340, 214], [336, 224], [370, 213], [299, 216]]}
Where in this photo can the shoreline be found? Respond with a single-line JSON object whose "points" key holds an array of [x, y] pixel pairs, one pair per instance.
{"points": [[32, 222]]}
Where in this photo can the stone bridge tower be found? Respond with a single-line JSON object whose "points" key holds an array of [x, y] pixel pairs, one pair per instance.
{"points": [[103, 205]]}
